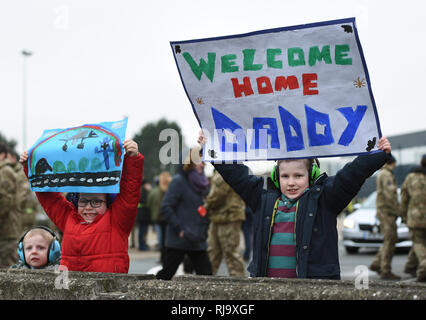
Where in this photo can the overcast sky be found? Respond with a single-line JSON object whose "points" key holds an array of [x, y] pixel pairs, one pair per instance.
{"points": [[100, 60]]}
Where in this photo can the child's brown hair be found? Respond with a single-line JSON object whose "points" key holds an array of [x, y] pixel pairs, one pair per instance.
{"points": [[308, 162], [309, 166], [192, 159]]}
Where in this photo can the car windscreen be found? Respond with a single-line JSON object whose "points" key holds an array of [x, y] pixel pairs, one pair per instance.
{"points": [[370, 202]]}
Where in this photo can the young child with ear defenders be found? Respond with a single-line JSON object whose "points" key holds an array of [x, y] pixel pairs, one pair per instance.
{"points": [[295, 233], [96, 231], [38, 248]]}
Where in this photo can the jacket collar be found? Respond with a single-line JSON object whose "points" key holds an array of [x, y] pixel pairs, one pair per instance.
{"points": [[321, 178]]}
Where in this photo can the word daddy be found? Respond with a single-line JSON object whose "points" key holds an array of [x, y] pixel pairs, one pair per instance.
{"points": [[292, 128]]}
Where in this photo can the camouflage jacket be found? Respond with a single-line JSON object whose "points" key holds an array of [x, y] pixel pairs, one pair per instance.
{"points": [[9, 216], [387, 198], [22, 187], [223, 205], [25, 202], [413, 199], [153, 203]]}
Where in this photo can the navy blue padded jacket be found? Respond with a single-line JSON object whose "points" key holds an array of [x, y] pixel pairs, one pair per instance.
{"points": [[316, 233]]}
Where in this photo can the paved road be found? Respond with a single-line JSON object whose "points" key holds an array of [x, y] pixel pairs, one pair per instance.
{"points": [[349, 263], [147, 262]]}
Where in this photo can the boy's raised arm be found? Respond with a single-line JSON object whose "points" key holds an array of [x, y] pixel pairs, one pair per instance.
{"points": [[247, 186], [125, 205], [349, 180], [53, 203]]}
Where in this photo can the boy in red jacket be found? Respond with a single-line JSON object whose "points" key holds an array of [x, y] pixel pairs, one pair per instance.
{"points": [[95, 235]]}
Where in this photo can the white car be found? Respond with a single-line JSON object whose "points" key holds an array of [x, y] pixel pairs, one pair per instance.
{"points": [[361, 228]]}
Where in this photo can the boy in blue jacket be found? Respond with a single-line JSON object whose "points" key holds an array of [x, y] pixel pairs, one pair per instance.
{"points": [[295, 232]]}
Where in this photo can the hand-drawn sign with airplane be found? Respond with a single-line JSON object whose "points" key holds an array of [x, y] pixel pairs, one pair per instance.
{"points": [[87, 158]]}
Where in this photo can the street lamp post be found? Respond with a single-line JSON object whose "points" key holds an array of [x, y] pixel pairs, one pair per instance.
{"points": [[25, 54]]}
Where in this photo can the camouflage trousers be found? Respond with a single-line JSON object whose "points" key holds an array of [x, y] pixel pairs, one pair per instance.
{"points": [[8, 255], [418, 237], [383, 258], [224, 242], [412, 262]]}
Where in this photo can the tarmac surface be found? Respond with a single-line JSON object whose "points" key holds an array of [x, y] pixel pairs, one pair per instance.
{"points": [[147, 262]]}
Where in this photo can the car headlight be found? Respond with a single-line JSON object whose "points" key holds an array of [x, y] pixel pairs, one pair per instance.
{"points": [[348, 223]]}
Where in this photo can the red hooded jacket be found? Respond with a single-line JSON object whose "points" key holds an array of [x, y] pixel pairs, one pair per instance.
{"points": [[100, 246]]}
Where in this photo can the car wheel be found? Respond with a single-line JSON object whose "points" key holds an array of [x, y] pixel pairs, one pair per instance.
{"points": [[352, 250]]}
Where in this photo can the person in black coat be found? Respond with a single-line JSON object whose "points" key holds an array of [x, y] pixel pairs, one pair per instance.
{"points": [[186, 232], [144, 216], [318, 202]]}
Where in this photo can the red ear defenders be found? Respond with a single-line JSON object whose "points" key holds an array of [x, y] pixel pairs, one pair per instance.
{"points": [[314, 173], [53, 252]]}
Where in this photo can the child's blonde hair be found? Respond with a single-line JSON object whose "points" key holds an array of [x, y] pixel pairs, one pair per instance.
{"points": [[37, 231]]}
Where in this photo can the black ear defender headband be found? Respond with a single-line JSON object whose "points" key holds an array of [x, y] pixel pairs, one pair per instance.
{"points": [[314, 173], [53, 252]]}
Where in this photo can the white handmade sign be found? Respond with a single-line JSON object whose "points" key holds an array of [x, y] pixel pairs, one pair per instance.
{"points": [[293, 92]]}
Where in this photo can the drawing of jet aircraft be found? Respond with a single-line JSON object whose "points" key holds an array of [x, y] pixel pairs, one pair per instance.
{"points": [[81, 135]]}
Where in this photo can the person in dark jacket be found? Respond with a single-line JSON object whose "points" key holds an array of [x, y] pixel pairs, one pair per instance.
{"points": [[144, 216], [295, 222], [186, 232]]}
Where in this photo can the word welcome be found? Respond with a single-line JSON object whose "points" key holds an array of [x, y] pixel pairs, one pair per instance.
{"points": [[295, 57]]}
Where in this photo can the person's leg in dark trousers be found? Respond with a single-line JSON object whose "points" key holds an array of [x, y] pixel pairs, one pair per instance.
{"points": [[173, 259], [247, 228], [200, 262], [163, 225], [187, 265], [143, 230]]}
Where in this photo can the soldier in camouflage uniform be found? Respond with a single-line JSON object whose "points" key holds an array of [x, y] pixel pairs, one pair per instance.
{"points": [[10, 219], [387, 213], [413, 211], [26, 204], [226, 211]]}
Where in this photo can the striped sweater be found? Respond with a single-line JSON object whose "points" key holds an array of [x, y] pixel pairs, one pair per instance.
{"points": [[282, 248]]}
